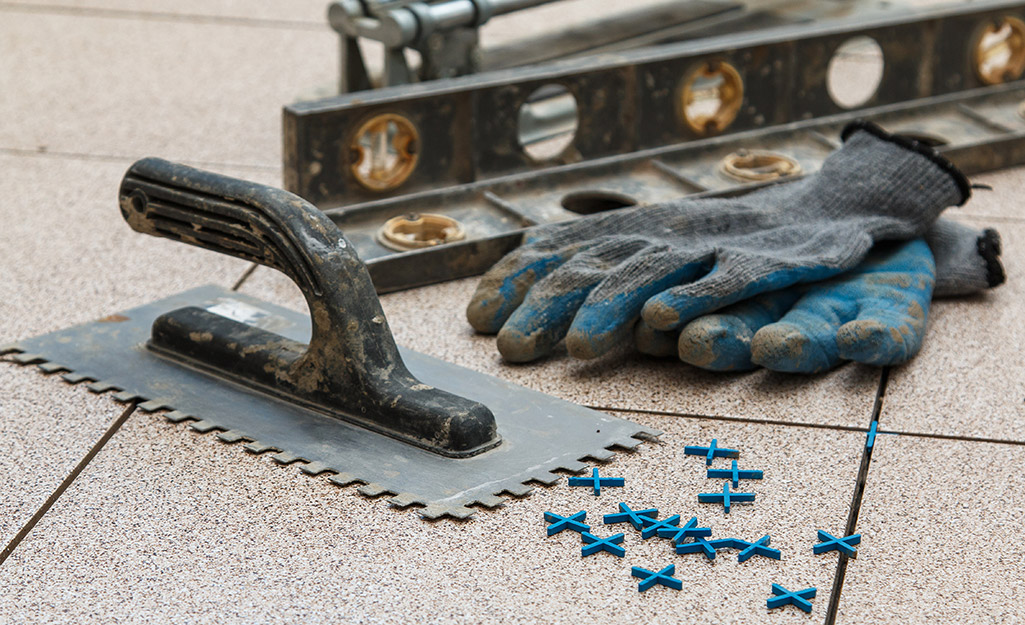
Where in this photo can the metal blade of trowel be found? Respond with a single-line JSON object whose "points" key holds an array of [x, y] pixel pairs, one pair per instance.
{"points": [[539, 433]]}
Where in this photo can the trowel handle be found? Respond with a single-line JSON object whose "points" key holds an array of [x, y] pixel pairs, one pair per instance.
{"points": [[351, 368], [248, 220]]}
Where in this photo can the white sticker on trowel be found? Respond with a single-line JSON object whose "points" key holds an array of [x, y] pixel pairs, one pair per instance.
{"points": [[247, 314]]}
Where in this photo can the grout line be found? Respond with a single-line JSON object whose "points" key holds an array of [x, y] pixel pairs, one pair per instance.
{"points": [[954, 437], [245, 276], [233, 20], [818, 426], [114, 158], [859, 493], [111, 430], [800, 424]]}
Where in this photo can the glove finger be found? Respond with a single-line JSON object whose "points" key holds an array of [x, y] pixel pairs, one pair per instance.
{"points": [[890, 326], [503, 287], [547, 310], [654, 342], [803, 341], [722, 341], [731, 280], [890, 285], [614, 305]]}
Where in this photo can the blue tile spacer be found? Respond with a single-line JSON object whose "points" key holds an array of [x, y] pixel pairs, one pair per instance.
{"points": [[832, 543], [690, 530], [638, 518], [595, 544], [725, 497], [871, 440], [784, 597], [596, 481], [654, 527], [734, 475], [711, 452], [757, 548], [560, 523], [650, 578], [708, 547]]}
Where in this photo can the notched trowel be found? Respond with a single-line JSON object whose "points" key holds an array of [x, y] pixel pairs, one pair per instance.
{"points": [[350, 401]]}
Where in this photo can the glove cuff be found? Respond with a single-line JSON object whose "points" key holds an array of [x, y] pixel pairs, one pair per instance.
{"points": [[956, 175]]}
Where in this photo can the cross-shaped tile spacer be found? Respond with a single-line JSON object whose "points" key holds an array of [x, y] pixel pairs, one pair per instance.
{"points": [[725, 497], [595, 544], [784, 596], [870, 442], [559, 523], [832, 543], [734, 474], [711, 452], [655, 526], [638, 518], [757, 548], [708, 547], [650, 578], [596, 481], [690, 530]]}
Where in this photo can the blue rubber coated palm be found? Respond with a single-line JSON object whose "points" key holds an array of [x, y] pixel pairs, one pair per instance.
{"points": [[875, 314]]}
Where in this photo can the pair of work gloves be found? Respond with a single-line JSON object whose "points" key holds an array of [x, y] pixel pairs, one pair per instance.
{"points": [[799, 277]]}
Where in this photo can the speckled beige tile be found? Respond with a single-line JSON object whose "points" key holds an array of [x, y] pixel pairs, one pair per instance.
{"points": [[942, 542], [294, 12], [182, 90], [167, 524], [969, 379], [999, 204], [68, 256], [431, 320], [46, 427]]}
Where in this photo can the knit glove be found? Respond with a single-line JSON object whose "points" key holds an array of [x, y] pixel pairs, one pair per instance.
{"points": [[875, 314], [590, 279]]}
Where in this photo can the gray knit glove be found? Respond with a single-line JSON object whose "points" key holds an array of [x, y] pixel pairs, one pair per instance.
{"points": [[590, 279]]}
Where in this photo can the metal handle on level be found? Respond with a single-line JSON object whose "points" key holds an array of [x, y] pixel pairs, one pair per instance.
{"points": [[351, 368]]}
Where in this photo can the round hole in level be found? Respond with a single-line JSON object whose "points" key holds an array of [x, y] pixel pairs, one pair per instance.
{"points": [[547, 122], [710, 97], [854, 72], [1000, 51], [590, 202], [758, 165], [419, 230], [384, 151]]}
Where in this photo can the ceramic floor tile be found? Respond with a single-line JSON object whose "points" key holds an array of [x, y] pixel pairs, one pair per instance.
{"points": [[171, 525], [181, 90], [301, 13], [941, 535], [969, 378], [431, 320], [46, 427]]}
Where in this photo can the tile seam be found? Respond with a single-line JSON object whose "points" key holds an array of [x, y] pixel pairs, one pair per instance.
{"points": [[116, 158], [687, 415], [68, 480], [856, 499]]}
